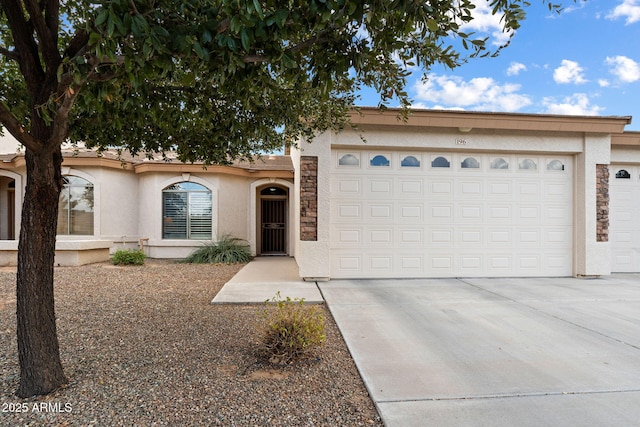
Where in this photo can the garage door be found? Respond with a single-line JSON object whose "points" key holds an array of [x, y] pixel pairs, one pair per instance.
{"points": [[400, 214], [624, 228]]}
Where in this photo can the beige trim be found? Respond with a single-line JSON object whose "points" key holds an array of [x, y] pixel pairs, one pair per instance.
{"points": [[627, 139], [468, 120], [96, 161], [102, 162], [228, 170]]}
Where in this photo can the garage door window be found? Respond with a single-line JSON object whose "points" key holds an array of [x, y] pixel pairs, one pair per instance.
{"points": [[470, 163], [349, 160], [555, 165], [528, 164], [499, 163], [440, 162], [623, 174], [410, 162], [379, 160]]}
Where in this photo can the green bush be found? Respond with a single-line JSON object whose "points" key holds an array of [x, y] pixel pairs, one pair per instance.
{"points": [[228, 250], [127, 257], [290, 330]]}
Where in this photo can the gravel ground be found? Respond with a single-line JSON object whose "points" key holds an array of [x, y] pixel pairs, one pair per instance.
{"points": [[143, 346]]}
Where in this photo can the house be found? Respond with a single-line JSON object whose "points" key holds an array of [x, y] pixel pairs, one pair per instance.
{"points": [[442, 194]]}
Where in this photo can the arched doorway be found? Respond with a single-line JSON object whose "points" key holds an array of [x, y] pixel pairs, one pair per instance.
{"points": [[272, 220]]}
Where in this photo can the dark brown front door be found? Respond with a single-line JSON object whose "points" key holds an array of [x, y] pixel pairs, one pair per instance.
{"points": [[274, 226]]}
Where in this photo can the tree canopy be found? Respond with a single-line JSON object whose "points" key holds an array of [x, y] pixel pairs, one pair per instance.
{"points": [[218, 79]]}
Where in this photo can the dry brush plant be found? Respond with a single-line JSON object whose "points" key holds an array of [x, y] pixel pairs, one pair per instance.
{"points": [[290, 329]]}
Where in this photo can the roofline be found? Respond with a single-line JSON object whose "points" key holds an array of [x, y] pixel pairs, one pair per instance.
{"points": [[487, 120], [177, 167], [626, 139]]}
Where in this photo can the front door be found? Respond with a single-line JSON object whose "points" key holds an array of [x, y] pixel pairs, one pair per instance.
{"points": [[273, 224]]}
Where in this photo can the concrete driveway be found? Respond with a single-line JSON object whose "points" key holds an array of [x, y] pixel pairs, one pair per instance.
{"points": [[495, 352]]}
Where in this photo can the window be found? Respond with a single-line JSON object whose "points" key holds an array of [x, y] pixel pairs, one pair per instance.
{"points": [[623, 174], [186, 211], [528, 164], [410, 162], [555, 165], [348, 160], [440, 162], [499, 163], [379, 160], [75, 207], [470, 163]]}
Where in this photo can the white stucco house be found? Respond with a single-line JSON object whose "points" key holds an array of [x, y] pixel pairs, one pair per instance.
{"points": [[444, 194]]}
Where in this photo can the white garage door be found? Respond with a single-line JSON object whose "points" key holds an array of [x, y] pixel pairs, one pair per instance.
{"points": [[399, 214], [624, 227]]}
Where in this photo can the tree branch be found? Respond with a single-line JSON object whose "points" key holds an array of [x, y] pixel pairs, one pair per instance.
{"points": [[9, 54], [47, 30], [61, 119], [15, 128], [26, 47]]}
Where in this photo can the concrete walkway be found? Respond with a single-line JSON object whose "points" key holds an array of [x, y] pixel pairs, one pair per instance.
{"points": [[262, 278], [495, 352]]}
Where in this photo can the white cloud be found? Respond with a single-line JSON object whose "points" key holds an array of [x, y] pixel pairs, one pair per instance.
{"points": [[515, 68], [480, 93], [569, 72], [628, 9], [577, 104], [626, 69], [484, 22], [604, 83]]}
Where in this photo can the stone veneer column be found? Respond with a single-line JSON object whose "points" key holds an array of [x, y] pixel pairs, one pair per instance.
{"points": [[602, 201], [309, 198]]}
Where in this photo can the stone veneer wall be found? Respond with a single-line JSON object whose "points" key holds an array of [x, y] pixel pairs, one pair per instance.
{"points": [[309, 198], [602, 203]]}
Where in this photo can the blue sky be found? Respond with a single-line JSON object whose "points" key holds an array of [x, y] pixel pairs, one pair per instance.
{"points": [[585, 61]]}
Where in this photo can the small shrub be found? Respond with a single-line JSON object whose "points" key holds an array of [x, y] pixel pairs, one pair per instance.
{"points": [[127, 257], [227, 250], [291, 329]]}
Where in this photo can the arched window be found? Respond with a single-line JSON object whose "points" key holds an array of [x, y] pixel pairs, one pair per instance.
{"points": [[555, 165], [499, 163], [470, 163], [623, 174], [410, 162], [379, 160], [186, 211], [75, 207], [440, 162], [348, 160], [528, 164]]}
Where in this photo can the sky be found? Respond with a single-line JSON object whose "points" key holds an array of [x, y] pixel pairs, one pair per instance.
{"points": [[583, 61]]}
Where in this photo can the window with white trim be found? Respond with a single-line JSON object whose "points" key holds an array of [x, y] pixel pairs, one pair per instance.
{"points": [[186, 211], [75, 207]]}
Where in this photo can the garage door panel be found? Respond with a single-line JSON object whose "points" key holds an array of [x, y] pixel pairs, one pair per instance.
{"points": [[500, 190], [452, 221], [624, 228], [470, 189], [346, 212], [440, 213], [378, 212], [410, 187], [467, 237], [440, 237], [379, 188], [412, 212], [441, 189]]}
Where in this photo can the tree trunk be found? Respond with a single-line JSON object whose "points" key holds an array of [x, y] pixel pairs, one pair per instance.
{"points": [[38, 350]]}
